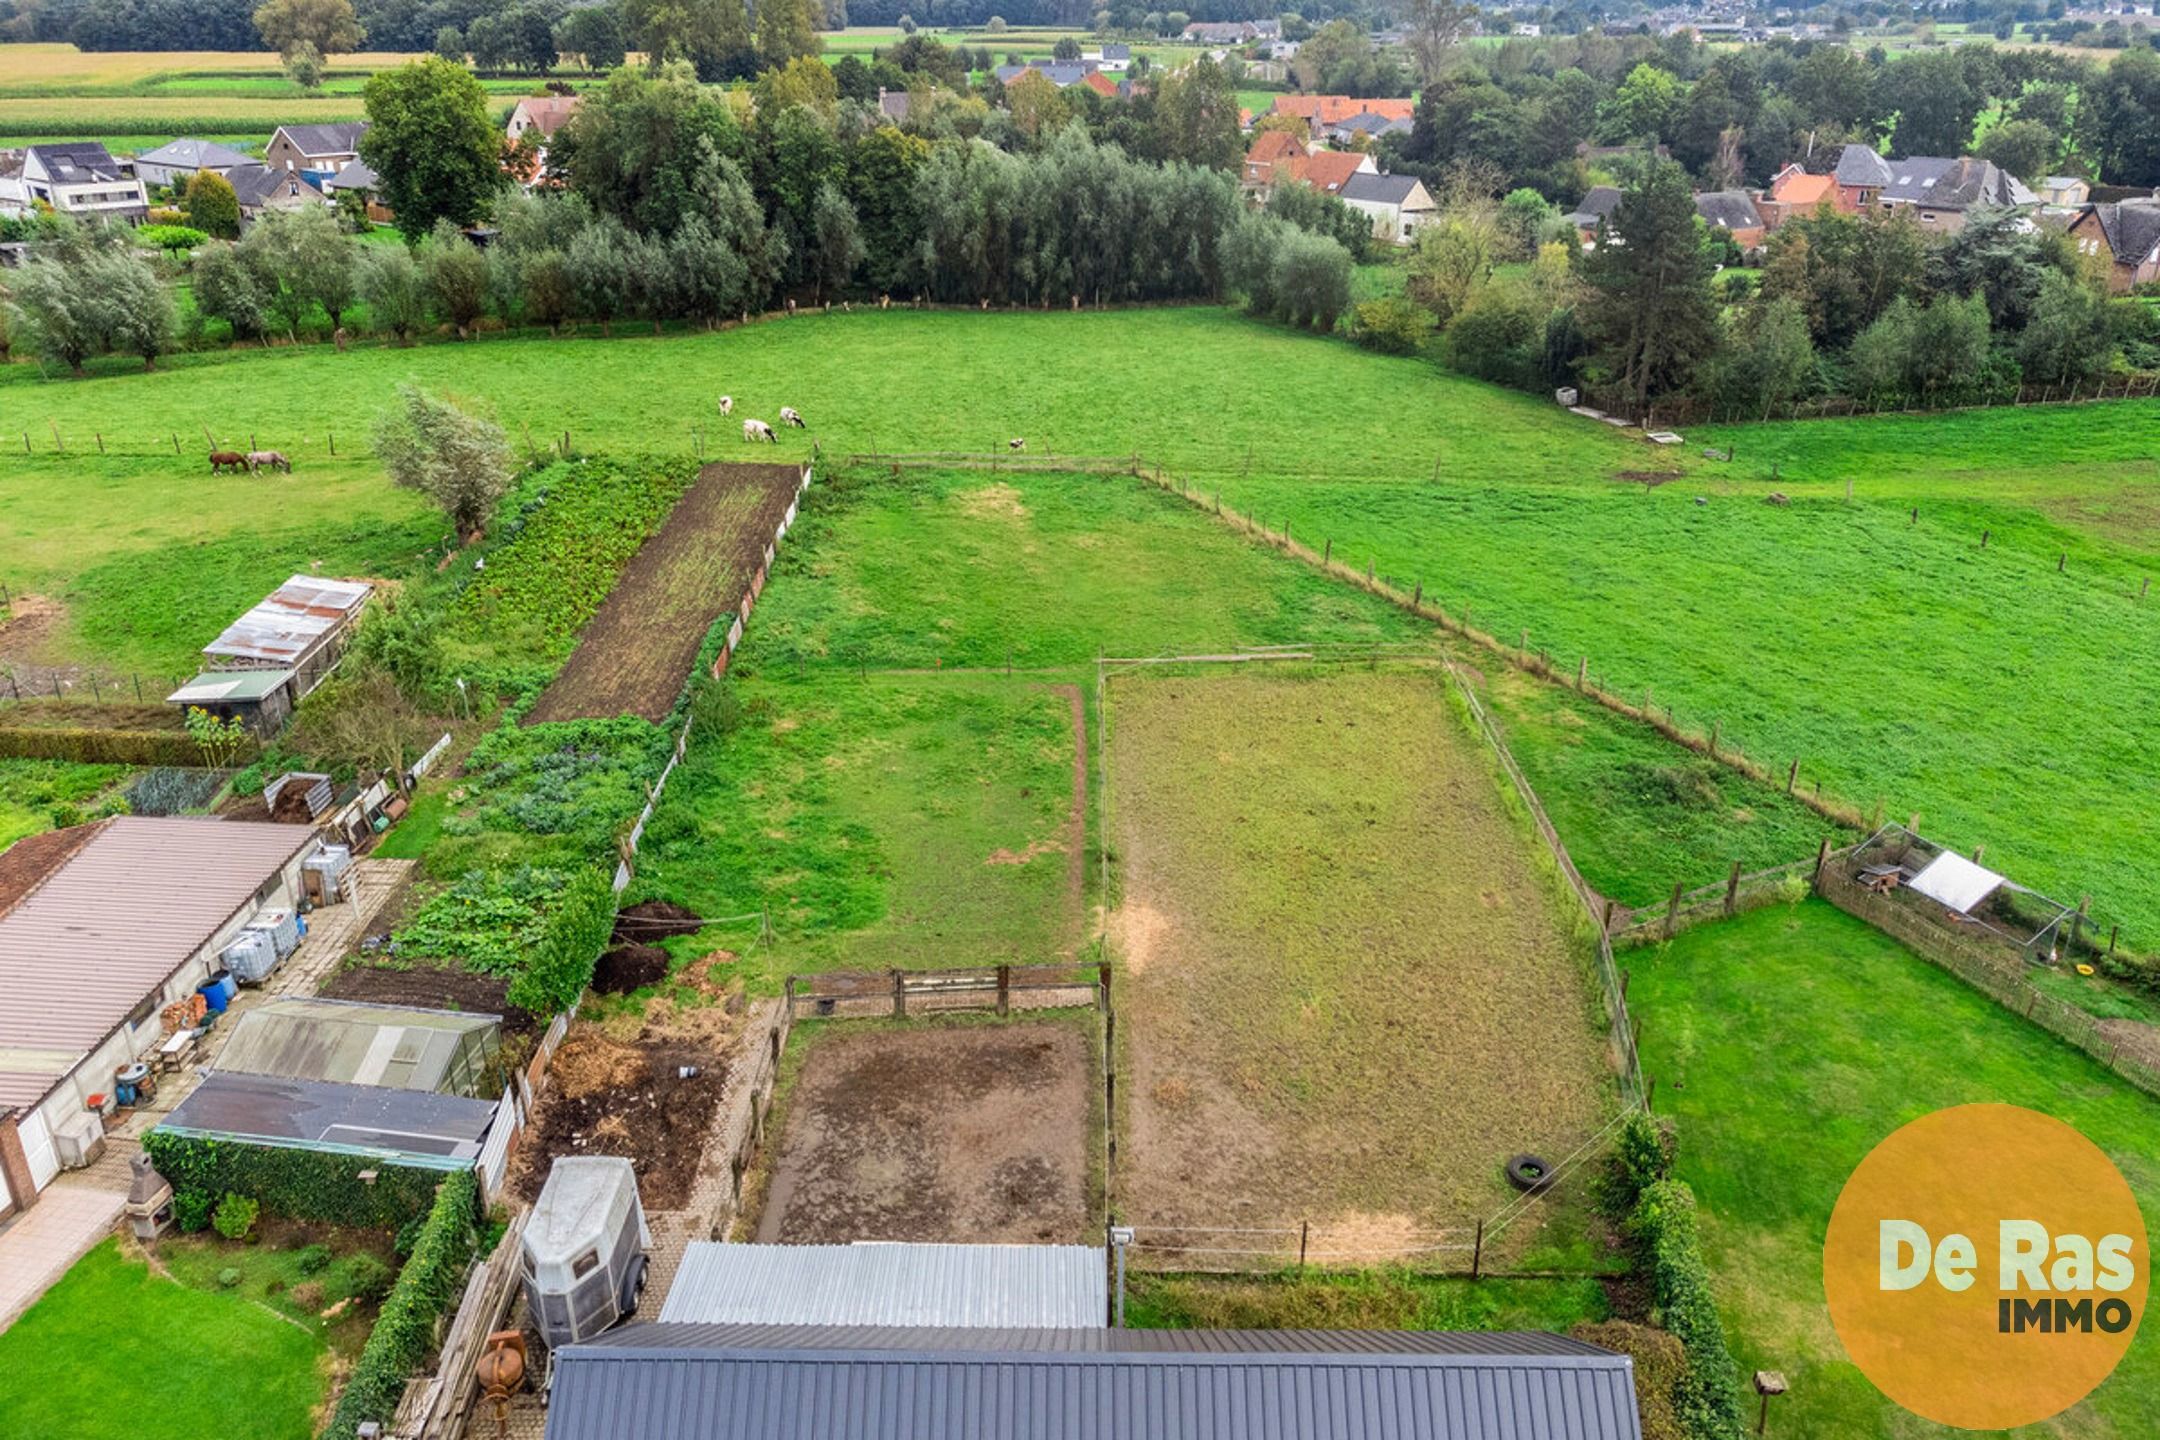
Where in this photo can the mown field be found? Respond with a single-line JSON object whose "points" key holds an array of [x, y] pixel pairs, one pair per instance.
{"points": [[1787, 1043], [1350, 989]]}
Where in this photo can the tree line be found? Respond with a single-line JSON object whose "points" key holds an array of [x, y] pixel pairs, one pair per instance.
{"points": [[1865, 307]]}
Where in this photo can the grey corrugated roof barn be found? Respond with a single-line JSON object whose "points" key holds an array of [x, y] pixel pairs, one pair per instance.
{"points": [[698, 1382]]}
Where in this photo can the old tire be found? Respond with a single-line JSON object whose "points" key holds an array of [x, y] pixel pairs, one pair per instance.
{"points": [[1530, 1174]]}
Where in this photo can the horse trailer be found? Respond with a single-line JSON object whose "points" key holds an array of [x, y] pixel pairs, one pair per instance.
{"points": [[584, 1249]]}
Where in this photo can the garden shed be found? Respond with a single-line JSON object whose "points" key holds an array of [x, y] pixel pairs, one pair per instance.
{"points": [[397, 1047], [1929, 883], [262, 700], [300, 627], [417, 1128]]}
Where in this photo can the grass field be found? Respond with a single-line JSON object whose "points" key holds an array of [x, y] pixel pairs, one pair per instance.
{"points": [[1380, 1299], [911, 822], [1348, 993], [172, 1362], [1787, 1043]]}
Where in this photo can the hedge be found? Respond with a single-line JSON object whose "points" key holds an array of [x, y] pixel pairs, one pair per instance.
{"points": [[298, 1184], [101, 747], [404, 1333], [1706, 1397], [559, 968]]}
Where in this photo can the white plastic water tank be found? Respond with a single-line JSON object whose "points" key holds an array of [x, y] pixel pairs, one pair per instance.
{"points": [[251, 957], [283, 928]]}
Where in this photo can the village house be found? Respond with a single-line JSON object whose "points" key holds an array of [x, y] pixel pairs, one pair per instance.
{"points": [[80, 178], [1329, 170], [1060, 73], [1398, 204], [259, 189], [1320, 112], [2065, 190], [316, 151], [1793, 191], [1942, 191], [2127, 233], [540, 116], [1600, 202], [1732, 212], [177, 161], [1232, 32], [1111, 58], [1273, 153]]}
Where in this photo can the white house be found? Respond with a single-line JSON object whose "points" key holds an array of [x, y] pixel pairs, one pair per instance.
{"points": [[80, 178], [177, 161], [1398, 204], [101, 927]]}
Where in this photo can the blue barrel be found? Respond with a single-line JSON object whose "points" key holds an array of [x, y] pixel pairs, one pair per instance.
{"points": [[219, 990]]}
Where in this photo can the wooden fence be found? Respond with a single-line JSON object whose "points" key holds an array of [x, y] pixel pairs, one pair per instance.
{"points": [[1994, 971], [1736, 894], [899, 993], [436, 1407]]}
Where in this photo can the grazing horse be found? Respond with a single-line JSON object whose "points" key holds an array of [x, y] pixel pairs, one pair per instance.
{"points": [[789, 415], [758, 430], [223, 460], [727, 404], [273, 459]]}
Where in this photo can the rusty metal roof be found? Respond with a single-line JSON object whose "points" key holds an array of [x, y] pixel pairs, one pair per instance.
{"points": [[113, 922], [291, 622]]}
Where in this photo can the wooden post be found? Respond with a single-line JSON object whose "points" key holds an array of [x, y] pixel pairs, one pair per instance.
{"points": [[1822, 857], [1327, 555], [1732, 889], [899, 993], [2061, 560], [1605, 927], [1304, 1239], [333, 441], [100, 440], [1477, 1252], [1978, 851], [1004, 989], [1418, 598], [57, 443], [1649, 1103], [176, 443], [1984, 538], [1792, 776], [1582, 675], [2113, 931], [1672, 910], [1714, 727]]}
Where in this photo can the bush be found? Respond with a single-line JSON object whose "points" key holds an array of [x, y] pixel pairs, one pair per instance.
{"points": [[404, 1331], [191, 1210], [368, 1278], [561, 965], [298, 1184], [1706, 1395], [228, 1277], [236, 1215], [170, 237], [1393, 326], [94, 746], [312, 1259]]}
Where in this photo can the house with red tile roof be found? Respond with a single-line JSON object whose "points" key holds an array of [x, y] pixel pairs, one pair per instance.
{"points": [[1319, 112], [1793, 191], [1272, 152], [1329, 170]]}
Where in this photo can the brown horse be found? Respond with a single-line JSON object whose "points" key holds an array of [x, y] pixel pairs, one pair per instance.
{"points": [[223, 460]]}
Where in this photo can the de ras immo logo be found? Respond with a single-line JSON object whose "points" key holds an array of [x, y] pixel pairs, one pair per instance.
{"points": [[1986, 1266]]}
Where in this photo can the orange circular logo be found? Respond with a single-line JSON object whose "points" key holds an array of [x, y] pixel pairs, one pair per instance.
{"points": [[1986, 1266]]}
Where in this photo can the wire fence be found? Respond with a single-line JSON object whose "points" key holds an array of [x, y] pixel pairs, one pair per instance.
{"points": [[1688, 410]]}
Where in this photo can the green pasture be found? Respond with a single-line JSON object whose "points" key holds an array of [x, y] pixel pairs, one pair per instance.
{"points": [[1899, 661], [40, 795], [1380, 1299], [1787, 1044]]}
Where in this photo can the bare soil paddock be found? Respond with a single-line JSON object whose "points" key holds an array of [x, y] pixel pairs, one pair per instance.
{"points": [[935, 1131]]}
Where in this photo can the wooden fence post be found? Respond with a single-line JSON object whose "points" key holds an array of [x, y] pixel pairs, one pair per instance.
{"points": [[1304, 1238], [1582, 675], [1004, 989], [1715, 726], [1672, 910], [1822, 858], [790, 983], [1732, 889], [1477, 1252], [1327, 555], [899, 993], [1792, 776]]}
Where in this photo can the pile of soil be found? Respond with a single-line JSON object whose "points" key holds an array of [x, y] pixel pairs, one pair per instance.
{"points": [[432, 987], [628, 967], [651, 921], [605, 1097]]}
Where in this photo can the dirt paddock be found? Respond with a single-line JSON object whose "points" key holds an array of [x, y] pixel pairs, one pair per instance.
{"points": [[935, 1132]]}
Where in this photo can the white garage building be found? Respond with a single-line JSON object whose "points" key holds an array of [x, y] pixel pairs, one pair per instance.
{"points": [[101, 927]]}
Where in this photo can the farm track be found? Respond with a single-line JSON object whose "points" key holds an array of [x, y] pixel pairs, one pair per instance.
{"points": [[636, 652]]}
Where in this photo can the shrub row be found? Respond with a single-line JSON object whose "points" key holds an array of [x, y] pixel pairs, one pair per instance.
{"points": [[558, 969], [1659, 1216], [298, 1184], [100, 747], [404, 1333]]}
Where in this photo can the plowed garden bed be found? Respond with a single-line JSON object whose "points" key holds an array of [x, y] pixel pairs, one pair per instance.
{"points": [[636, 652]]}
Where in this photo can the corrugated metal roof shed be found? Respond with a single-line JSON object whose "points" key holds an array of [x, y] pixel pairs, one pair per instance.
{"points": [[113, 922], [408, 1127], [400, 1047], [622, 1389], [291, 622], [889, 1285], [1098, 1339]]}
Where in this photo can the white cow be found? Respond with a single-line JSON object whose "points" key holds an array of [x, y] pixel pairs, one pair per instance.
{"points": [[758, 430], [789, 415], [1016, 444], [727, 404]]}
